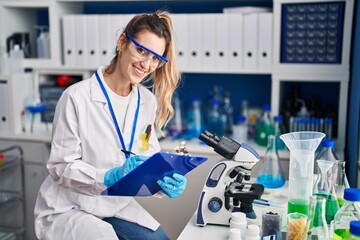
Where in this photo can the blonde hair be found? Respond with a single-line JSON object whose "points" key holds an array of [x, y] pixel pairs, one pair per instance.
{"points": [[166, 78]]}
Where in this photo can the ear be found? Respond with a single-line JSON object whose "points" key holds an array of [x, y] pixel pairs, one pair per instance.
{"points": [[121, 42]]}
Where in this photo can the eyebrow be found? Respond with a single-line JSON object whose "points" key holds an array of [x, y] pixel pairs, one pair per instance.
{"points": [[147, 49]]}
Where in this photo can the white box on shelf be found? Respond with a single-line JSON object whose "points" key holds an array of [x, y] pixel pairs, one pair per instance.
{"points": [[17, 88]]}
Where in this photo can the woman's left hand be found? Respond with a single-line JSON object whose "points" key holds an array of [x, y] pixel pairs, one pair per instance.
{"points": [[173, 185]]}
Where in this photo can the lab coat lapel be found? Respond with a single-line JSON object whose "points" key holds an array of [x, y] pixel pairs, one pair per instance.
{"points": [[97, 94]]}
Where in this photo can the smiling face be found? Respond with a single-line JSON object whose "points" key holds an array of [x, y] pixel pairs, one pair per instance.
{"points": [[131, 68]]}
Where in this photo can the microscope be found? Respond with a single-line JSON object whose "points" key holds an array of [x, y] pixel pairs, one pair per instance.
{"points": [[224, 191]]}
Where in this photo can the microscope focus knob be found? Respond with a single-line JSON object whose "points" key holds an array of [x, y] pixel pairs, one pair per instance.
{"points": [[215, 204]]}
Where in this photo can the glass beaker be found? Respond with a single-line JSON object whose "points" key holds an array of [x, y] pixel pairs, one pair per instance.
{"points": [[316, 225], [270, 173], [302, 146]]}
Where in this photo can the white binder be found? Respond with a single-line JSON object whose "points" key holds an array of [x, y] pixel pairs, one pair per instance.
{"points": [[250, 33], [92, 48], [4, 107], [80, 40], [195, 41], [180, 24], [222, 41], [68, 29], [105, 40], [235, 41], [117, 27], [208, 53], [265, 41]]}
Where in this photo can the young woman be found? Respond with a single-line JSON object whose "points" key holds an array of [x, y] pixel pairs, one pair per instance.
{"points": [[97, 123]]}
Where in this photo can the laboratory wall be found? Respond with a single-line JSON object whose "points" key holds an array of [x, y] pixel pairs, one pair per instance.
{"points": [[353, 134]]}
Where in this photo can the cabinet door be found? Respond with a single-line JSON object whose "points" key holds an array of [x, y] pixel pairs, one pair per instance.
{"points": [[34, 176]]}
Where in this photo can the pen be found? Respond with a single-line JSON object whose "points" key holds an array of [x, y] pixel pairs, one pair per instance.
{"points": [[128, 152], [148, 131]]}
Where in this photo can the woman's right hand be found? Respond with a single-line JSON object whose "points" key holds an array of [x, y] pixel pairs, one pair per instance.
{"points": [[115, 174]]}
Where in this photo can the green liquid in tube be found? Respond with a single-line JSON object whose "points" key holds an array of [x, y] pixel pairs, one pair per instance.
{"points": [[341, 234], [298, 205]]}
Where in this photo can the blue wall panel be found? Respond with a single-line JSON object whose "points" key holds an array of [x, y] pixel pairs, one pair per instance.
{"points": [[352, 144]]}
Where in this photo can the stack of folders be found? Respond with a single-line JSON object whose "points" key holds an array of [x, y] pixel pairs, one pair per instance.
{"points": [[211, 42]]}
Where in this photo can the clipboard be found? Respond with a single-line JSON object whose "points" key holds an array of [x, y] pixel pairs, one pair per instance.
{"points": [[142, 181]]}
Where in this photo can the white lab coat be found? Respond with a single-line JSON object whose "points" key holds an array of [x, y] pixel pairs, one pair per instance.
{"points": [[84, 146]]}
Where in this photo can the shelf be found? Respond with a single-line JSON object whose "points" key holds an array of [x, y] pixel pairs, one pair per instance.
{"points": [[7, 236], [8, 233], [8, 163], [9, 197]]}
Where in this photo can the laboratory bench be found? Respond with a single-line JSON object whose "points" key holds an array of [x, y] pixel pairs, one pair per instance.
{"points": [[220, 232]]}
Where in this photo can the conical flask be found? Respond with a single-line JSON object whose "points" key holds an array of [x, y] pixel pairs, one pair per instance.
{"points": [[341, 181], [302, 146], [325, 188], [270, 174], [316, 226]]}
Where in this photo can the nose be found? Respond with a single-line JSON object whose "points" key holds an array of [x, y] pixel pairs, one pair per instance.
{"points": [[145, 63]]}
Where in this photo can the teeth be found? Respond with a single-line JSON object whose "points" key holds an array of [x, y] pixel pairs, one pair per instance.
{"points": [[139, 71]]}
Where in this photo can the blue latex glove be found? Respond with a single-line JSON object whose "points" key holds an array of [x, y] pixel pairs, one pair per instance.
{"points": [[173, 185], [115, 174]]}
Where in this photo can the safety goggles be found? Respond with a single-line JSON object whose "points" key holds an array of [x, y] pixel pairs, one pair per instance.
{"points": [[143, 54]]}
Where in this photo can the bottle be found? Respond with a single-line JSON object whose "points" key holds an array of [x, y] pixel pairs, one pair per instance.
{"points": [[279, 129], [328, 124], [43, 43], [194, 122], [350, 211], [244, 110], [175, 125], [238, 220], [17, 59], [215, 123], [341, 181], [264, 127], [327, 153], [270, 173], [253, 232], [227, 115], [4, 61], [240, 130], [235, 234], [316, 225], [354, 230]]}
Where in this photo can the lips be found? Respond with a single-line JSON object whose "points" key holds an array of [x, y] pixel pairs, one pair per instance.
{"points": [[139, 71]]}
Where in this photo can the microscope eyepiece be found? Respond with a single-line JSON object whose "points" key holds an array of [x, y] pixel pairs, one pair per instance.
{"points": [[209, 138], [225, 146]]}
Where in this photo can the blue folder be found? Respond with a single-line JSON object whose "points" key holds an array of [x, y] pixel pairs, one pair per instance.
{"points": [[142, 181]]}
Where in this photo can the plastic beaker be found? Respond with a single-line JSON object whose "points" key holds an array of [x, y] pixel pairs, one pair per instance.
{"points": [[302, 146], [296, 225]]}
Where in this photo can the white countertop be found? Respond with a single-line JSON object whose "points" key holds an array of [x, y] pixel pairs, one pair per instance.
{"points": [[217, 232]]}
